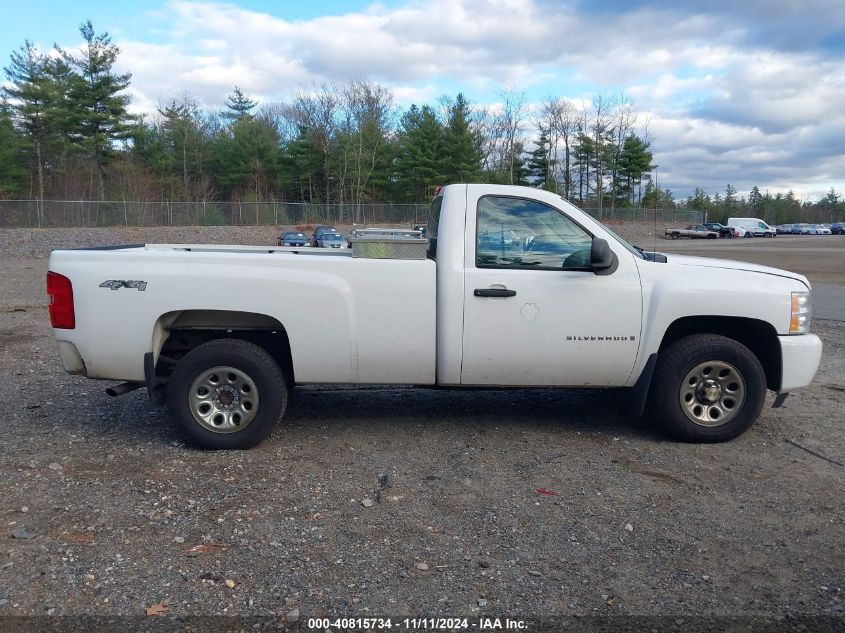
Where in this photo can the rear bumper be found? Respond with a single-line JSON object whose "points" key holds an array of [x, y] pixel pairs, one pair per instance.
{"points": [[800, 357], [71, 358]]}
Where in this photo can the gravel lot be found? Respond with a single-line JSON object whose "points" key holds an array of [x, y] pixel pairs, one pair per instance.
{"points": [[530, 503]]}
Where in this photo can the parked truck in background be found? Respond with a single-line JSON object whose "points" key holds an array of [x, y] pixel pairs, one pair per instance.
{"points": [[518, 288], [722, 229], [695, 231]]}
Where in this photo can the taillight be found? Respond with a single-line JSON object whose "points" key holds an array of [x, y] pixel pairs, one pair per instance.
{"points": [[61, 301]]}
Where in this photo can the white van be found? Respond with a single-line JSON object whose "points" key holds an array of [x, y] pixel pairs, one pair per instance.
{"points": [[752, 227]]}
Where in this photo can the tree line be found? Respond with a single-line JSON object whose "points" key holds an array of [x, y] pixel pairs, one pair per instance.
{"points": [[66, 133]]}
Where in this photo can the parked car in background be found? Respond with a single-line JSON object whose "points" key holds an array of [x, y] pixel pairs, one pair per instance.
{"points": [[837, 228], [818, 229], [752, 227], [698, 231], [784, 229], [319, 230], [723, 229], [795, 229], [293, 238], [328, 239]]}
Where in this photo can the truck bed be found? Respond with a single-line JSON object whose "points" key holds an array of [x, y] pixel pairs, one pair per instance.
{"points": [[348, 319]]}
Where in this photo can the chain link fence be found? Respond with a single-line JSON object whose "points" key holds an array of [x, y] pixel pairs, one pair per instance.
{"points": [[660, 216], [88, 213]]}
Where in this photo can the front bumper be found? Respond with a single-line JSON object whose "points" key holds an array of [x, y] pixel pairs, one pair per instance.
{"points": [[800, 357]]}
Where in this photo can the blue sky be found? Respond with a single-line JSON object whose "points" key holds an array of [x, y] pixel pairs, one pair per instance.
{"points": [[744, 92]]}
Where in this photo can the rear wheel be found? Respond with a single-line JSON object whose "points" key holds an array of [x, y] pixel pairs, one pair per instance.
{"points": [[707, 388], [675, 236], [227, 394]]}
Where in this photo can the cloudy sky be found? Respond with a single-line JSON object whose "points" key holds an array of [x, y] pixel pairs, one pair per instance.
{"points": [[746, 91]]}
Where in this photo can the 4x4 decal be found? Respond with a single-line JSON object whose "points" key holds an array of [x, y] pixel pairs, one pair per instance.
{"points": [[117, 284]]}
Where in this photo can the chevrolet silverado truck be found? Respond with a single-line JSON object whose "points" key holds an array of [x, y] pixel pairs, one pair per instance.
{"points": [[514, 287], [697, 231]]}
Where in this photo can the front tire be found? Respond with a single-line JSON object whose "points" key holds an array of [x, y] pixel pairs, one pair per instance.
{"points": [[227, 394], [707, 388]]}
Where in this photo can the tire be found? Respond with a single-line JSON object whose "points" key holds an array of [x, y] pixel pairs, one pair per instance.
{"points": [[675, 236], [738, 397], [748, 234], [249, 407]]}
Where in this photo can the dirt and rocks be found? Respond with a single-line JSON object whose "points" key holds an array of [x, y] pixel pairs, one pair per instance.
{"points": [[538, 504]]}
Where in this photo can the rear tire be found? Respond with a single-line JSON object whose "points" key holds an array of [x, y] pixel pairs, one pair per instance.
{"points": [[707, 388], [675, 236], [227, 394]]}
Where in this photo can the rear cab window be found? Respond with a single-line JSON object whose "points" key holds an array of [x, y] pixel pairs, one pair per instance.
{"points": [[433, 223]]}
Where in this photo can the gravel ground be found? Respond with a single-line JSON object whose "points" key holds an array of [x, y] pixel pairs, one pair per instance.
{"points": [[530, 503]]}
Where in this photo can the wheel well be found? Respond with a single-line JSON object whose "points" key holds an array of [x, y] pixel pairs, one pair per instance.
{"points": [[758, 336], [180, 332]]}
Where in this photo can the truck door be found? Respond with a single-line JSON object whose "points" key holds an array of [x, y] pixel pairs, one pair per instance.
{"points": [[534, 312]]}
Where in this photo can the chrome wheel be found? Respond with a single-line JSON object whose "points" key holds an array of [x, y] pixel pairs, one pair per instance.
{"points": [[223, 399], [712, 393]]}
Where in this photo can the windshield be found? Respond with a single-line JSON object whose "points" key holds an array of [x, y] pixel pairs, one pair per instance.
{"points": [[332, 237], [294, 236]]}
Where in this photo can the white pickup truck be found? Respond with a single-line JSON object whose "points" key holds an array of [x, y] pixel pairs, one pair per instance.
{"points": [[519, 288]]}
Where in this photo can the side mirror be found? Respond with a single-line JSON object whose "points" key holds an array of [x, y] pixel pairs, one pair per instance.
{"points": [[603, 260], [601, 257]]}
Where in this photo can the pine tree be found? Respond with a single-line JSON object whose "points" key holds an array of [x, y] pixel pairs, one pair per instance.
{"points": [[520, 166], [540, 166], [462, 159], [33, 99], [755, 201], [12, 171], [635, 161], [238, 106], [97, 114], [247, 158], [421, 152]]}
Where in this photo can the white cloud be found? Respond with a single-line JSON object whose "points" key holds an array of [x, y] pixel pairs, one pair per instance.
{"points": [[723, 106]]}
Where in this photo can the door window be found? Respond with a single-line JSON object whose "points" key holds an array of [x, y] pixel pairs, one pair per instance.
{"points": [[521, 233]]}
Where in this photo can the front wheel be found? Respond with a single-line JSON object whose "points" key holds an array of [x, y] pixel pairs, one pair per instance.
{"points": [[227, 394], [707, 388]]}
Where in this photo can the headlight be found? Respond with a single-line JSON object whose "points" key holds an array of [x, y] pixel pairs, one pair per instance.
{"points": [[802, 313]]}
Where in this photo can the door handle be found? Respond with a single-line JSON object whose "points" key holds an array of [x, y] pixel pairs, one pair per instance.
{"points": [[494, 292]]}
